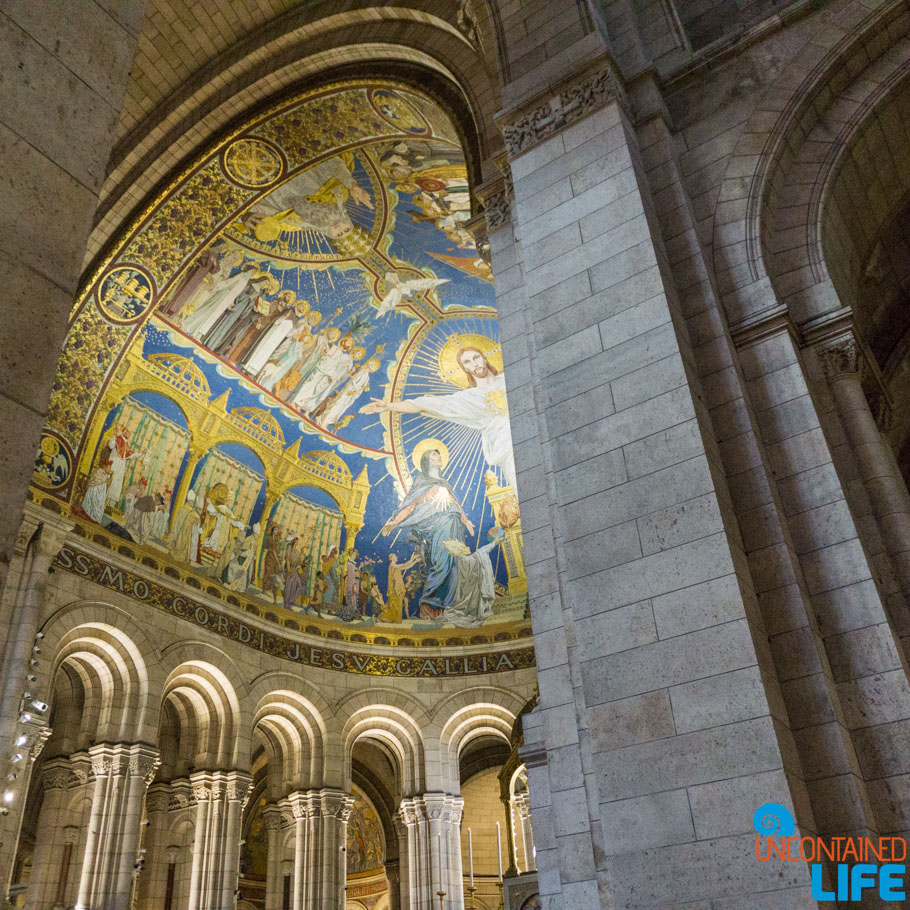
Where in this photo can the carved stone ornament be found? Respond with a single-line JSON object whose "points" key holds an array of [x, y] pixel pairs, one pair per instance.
{"points": [[57, 775], [271, 818], [103, 765], [592, 92], [158, 799], [238, 789], [144, 765], [840, 357]]}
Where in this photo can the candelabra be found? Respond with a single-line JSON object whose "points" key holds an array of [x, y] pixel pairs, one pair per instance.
{"points": [[441, 894], [471, 890]]}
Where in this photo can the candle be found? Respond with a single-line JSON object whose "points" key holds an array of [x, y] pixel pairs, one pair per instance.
{"points": [[499, 848], [471, 855]]}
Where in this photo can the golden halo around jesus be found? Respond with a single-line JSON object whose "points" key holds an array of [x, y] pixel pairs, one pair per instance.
{"points": [[428, 445], [450, 370]]}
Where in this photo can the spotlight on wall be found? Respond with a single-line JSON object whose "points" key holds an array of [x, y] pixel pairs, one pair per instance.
{"points": [[26, 718], [11, 776], [16, 757], [32, 678], [39, 706], [39, 636], [21, 740], [32, 662], [36, 649]]}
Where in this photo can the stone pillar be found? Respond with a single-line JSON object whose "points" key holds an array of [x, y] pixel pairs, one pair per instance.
{"points": [[393, 877], [320, 833], [522, 805], [121, 775], [626, 519], [152, 884], [845, 367], [60, 778], [433, 823], [274, 883], [404, 863], [220, 797], [21, 601]]}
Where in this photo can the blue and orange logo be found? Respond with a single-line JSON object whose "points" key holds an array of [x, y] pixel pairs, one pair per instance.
{"points": [[860, 863]]}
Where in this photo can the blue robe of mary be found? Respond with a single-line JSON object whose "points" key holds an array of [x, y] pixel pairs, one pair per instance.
{"points": [[434, 517]]}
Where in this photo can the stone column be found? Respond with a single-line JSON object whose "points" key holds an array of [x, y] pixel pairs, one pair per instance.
{"points": [[393, 877], [404, 863], [320, 830], [220, 797], [626, 516], [274, 884], [121, 775], [58, 779], [152, 884], [522, 804], [39, 542], [845, 367], [434, 850]]}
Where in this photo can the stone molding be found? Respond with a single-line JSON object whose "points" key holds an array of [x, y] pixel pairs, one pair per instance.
{"points": [[109, 760], [845, 356], [326, 802], [531, 124], [441, 807], [221, 786], [497, 197]]}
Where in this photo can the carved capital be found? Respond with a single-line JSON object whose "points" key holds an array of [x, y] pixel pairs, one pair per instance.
{"points": [[144, 763], [271, 818], [27, 530], [71, 834], [497, 197], [592, 90], [840, 357], [57, 774], [158, 799], [238, 786]]}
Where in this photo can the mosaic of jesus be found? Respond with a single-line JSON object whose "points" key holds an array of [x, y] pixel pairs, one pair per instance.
{"points": [[286, 385]]}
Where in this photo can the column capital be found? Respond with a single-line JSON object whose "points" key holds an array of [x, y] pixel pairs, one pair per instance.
{"points": [[57, 774], [238, 785], [117, 759], [496, 196], [158, 798], [443, 807], [840, 357], [272, 817], [546, 113]]}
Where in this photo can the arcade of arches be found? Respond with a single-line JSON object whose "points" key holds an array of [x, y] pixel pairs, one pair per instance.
{"points": [[456, 452]]}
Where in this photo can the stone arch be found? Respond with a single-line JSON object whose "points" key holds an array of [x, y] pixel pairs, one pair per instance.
{"points": [[290, 716], [766, 232], [479, 711], [395, 720], [206, 691], [115, 664], [293, 51]]}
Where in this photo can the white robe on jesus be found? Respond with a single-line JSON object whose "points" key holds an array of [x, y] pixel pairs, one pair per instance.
{"points": [[482, 408]]}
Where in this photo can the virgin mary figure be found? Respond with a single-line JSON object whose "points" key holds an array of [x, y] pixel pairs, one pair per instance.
{"points": [[434, 516]]}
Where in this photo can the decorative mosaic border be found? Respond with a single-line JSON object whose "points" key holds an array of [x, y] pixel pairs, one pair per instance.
{"points": [[84, 565]]}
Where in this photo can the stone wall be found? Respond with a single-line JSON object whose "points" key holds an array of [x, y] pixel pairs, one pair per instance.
{"points": [[64, 81]]}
